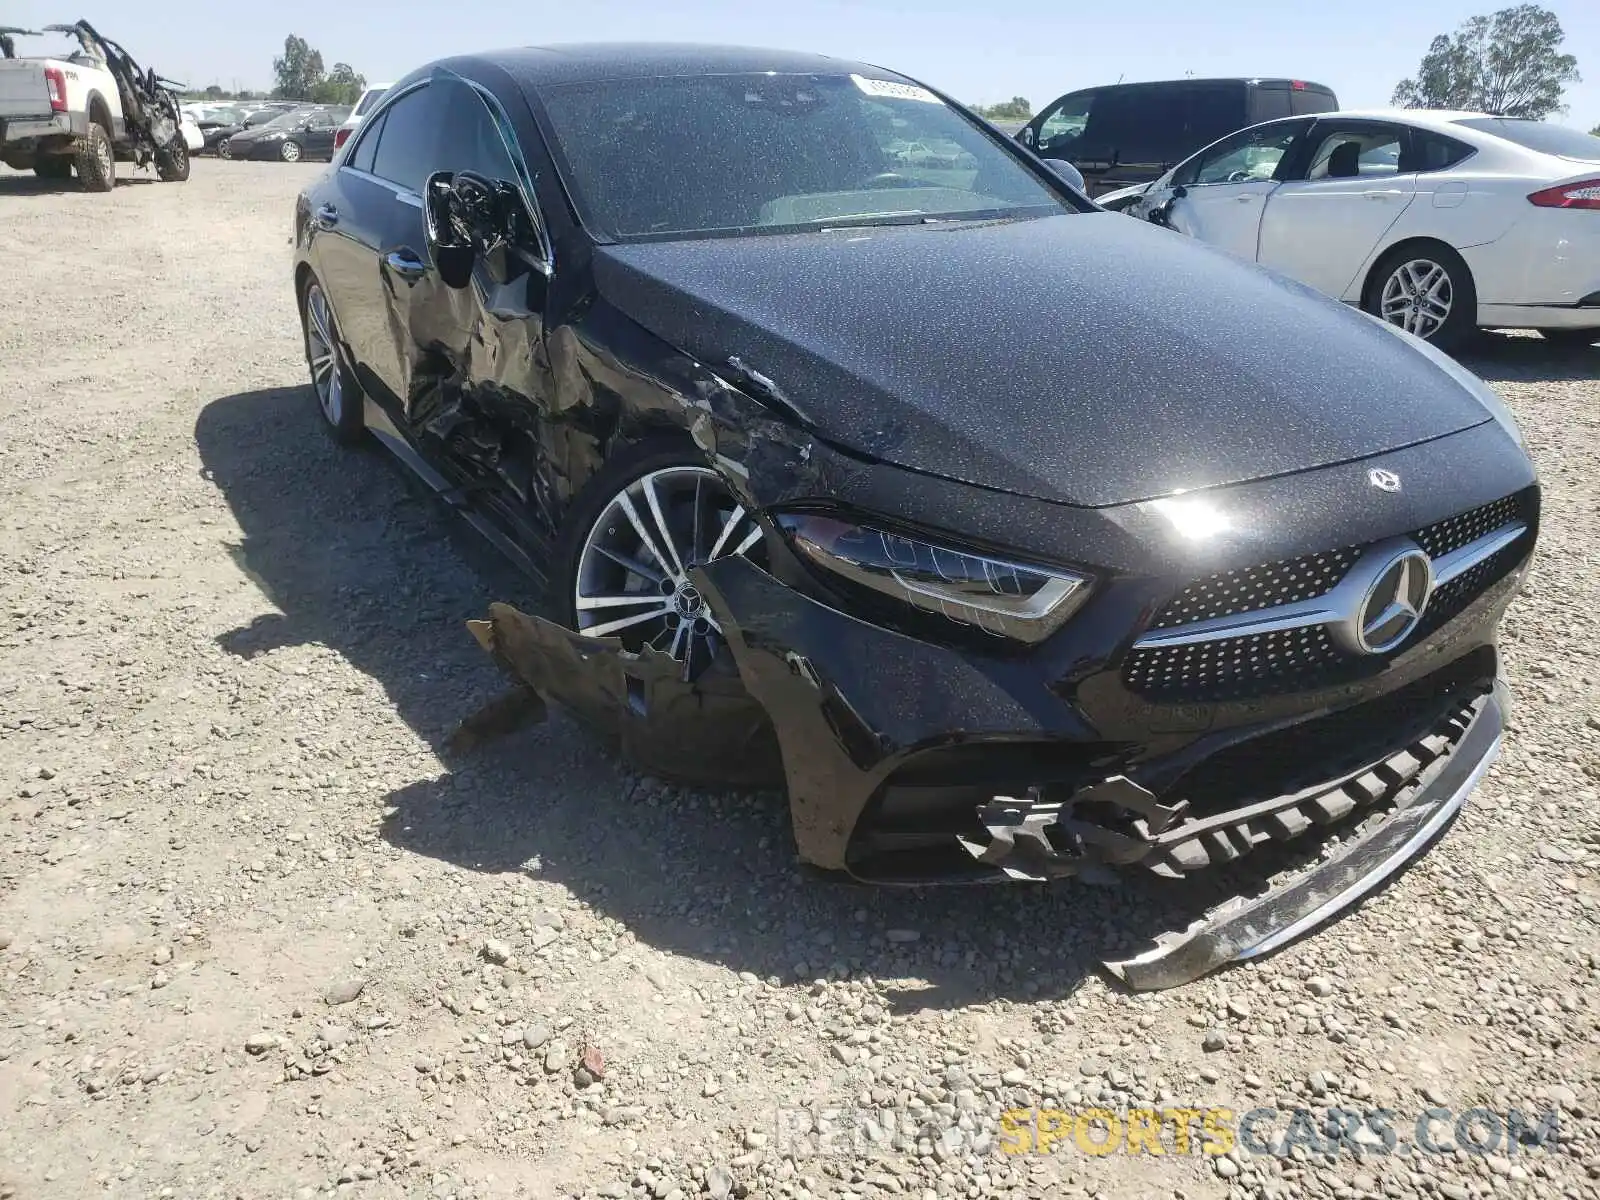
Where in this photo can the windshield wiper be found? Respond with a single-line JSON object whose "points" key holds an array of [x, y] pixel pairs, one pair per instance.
{"points": [[828, 225]]}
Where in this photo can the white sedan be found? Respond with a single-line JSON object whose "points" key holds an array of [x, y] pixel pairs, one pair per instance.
{"points": [[1438, 222]]}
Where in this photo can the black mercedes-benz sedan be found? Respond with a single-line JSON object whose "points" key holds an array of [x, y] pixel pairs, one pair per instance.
{"points": [[858, 453]]}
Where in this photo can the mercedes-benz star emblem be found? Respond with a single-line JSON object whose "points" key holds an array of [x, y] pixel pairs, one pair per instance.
{"points": [[1394, 601], [1384, 481]]}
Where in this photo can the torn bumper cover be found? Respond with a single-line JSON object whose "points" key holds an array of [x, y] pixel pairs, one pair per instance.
{"points": [[909, 763]]}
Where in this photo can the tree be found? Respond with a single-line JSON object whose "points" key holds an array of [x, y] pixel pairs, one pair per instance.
{"points": [[298, 72], [1508, 64], [1595, 132], [1015, 109], [342, 86]]}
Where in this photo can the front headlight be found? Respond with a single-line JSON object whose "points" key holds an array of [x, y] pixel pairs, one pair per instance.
{"points": [[1004, 598]]}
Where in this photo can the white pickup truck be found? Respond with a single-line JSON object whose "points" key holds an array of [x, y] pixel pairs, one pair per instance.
{"points": [[86, 112]]}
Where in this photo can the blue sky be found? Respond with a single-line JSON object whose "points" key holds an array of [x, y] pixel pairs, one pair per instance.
{"points": [[978, 52]]}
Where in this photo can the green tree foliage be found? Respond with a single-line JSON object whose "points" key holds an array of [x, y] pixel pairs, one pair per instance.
{"points": [[1015, 109], [341, 86], [1509, 63], [299, 75], [298, 71]]}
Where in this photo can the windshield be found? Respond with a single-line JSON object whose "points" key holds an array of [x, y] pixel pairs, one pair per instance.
{"points": [[1540, 136], [727, 154]]}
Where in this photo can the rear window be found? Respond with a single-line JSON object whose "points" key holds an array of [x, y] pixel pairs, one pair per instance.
{"points": [[367, 101], [1307, 100], [1540, 136]]}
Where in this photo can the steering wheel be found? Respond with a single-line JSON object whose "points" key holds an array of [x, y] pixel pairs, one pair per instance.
{"points": [[1240, 177], [890, 179]]}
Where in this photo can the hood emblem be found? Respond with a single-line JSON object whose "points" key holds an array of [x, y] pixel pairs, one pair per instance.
{"points": [[1384, 481], [1396, 595]]}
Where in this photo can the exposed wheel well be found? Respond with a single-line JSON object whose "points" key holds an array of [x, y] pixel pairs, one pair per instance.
{"points": [[1412, 244], [99, 113]]}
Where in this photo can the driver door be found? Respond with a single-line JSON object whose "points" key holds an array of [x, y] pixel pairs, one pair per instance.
{"points": [[1225, 187]]}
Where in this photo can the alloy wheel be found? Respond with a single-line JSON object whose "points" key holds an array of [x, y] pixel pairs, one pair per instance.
{"points": [[320, 354], [290, 151], [632, 578], [1418, 297], [104, 156], [224, 150]]}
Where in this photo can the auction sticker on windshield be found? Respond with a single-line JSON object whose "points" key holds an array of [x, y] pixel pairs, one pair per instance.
{"points": [[894, 91]]}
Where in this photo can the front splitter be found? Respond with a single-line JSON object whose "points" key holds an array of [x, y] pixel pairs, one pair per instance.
{"points": [[1243, 929]]}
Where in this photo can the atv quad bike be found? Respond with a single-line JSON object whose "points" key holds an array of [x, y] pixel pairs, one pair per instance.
{"points": [[87, 112]]}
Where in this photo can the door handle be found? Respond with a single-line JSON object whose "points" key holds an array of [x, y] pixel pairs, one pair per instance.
{"points": [[406, 265], [327, 216], [1245, 199], [1380, 195]]}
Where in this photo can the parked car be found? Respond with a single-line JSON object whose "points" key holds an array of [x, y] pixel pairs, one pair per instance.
{"points": [[217, 139], [358, 114], [193, 138], [1439, 222], [1130, 133], [1042, 542], [291, 136]]}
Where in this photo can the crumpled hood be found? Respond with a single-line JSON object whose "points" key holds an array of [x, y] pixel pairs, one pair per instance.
{"points": [[1090, 359]]}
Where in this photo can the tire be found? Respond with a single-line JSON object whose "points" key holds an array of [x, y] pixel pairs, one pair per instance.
{"points": [[339, 397], [1576, 339], [52, 167], [172, 164], [289, 150], [224, 150], [95, 160], [683, 626], [1409, 283]]}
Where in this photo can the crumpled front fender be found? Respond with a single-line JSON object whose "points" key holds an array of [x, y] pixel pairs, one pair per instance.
{"points": [[850, 701], [707, 732]]}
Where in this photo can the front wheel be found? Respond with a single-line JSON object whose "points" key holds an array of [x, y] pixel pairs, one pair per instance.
{"points": [[172, 164], [338, 395], [1427, 290], [621, 564], [224, 150], [289, 151]]}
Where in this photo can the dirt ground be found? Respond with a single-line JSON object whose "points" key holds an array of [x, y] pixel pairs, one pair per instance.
{"points": [[262, 936]]}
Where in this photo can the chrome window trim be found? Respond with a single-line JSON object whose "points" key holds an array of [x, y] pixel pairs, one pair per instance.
{"points": [[1332, 606]]}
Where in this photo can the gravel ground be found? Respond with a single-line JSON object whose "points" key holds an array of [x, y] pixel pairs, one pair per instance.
{"points": [[262, 935]]}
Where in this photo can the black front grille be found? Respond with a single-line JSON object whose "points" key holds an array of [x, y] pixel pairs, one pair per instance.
{"points": [[1235, 668], [1442, 537], [1253, 588], [1300, 659]]}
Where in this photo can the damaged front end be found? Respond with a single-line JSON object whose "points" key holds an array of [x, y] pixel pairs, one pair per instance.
{"points": [[911, 763]]}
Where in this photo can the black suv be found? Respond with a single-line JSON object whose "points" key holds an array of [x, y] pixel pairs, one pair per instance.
{"points": [[1132, 132]]}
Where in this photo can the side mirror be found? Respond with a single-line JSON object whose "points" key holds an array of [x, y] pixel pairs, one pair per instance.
{"points": [[469, 215], [1025, 135], [1068, 172]]}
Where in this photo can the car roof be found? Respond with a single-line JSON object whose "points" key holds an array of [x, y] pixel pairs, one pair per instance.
{"points": [[1215, 79], [536, 66]]}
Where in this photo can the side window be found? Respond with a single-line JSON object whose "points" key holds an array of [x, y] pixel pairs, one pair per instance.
{"points": [[1357, 152], [1247, 157], [1066, 122], [472, 141], [361, 157], [408, 148], [1433, 152]]}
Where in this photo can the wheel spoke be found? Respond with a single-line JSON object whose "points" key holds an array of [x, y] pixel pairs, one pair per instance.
{"points": [[750, 539], [665, 530], [697, 537], [734, 518], [585, 603], [679, 635], [654, 614], [633, 566], [626, 504]]}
